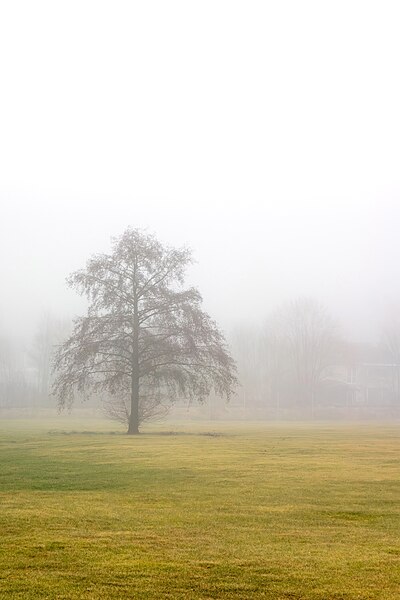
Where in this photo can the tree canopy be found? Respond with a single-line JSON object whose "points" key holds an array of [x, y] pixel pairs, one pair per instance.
{"points": [[145, 340]]}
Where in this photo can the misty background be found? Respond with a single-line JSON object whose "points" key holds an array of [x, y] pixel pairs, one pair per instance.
{"points": [[263, 135]]}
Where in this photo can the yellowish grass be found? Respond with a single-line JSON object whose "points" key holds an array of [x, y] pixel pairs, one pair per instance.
{"points": [[285, 511]]}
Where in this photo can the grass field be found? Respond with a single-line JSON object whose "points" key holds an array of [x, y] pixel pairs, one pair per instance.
{"points": [[283, 511]]}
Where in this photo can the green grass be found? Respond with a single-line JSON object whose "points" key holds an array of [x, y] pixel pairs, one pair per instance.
{"points": [[282, 511]]}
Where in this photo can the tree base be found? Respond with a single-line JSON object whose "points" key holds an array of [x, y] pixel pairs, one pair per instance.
{"points": [[133, 431]]}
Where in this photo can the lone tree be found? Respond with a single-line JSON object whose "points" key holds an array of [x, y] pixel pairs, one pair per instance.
{"points": [[145, 340]]}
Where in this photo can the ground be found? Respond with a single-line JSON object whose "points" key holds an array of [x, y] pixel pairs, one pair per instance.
{"points": [[281, 511]]}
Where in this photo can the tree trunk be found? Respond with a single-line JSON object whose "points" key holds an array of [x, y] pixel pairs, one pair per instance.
{"points": [[134, 416], [133, 428]]}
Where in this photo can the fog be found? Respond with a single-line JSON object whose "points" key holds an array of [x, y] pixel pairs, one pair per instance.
{"points": [[251, 255], [264, 136]]}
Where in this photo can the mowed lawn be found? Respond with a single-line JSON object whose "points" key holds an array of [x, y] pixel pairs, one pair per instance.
{"points": [[280, 511]]}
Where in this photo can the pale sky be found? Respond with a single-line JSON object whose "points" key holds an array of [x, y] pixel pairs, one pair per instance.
{"points": [[265, 135]]}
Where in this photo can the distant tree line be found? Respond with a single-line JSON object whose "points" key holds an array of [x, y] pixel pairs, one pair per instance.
{"points": [[26, 370], [298, 365]]}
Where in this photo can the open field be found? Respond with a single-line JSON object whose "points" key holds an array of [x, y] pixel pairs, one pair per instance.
{"points": [[283, 511]]}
